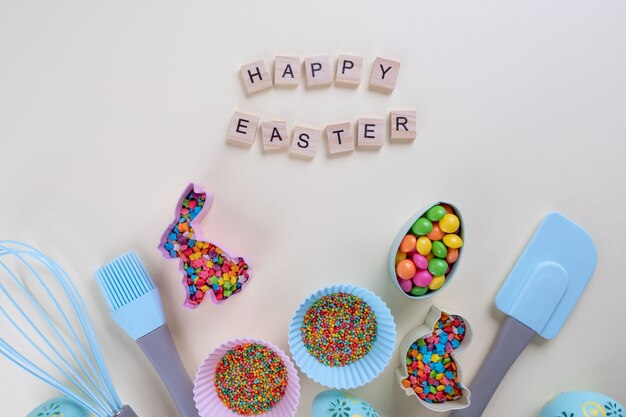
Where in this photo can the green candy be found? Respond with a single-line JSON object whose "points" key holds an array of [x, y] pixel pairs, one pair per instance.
{"points": [[228, 293], [422, 226], [435, 213], [419, 290], [409, 361], [437, 267], [439, 249]]}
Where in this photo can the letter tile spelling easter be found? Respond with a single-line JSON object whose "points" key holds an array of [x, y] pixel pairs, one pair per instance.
{"points": [[206, 267]]}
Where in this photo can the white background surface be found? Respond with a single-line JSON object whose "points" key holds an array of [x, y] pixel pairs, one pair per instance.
{"points": [[108, 109]]}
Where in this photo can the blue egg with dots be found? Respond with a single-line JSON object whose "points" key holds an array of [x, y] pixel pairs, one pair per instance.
{"points": [[582, 404], [59, 407]]}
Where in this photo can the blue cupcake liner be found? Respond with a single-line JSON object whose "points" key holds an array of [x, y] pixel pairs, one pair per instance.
{"points": [[357, 373]]}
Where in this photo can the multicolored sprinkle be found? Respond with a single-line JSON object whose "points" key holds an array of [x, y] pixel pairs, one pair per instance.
{"points": [[432, 371], [250, 379], [206, 266], [339, 329]]}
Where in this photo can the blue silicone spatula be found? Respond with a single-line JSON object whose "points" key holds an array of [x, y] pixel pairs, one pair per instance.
{"points": [[537, 297]]}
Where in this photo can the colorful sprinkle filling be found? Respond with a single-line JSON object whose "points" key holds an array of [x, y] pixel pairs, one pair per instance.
{"points": [[206, 266], [339, 329], [432, 371], [250, 379]]}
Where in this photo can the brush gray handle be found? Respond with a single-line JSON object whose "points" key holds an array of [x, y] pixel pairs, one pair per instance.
{"points": [[126, 412], [510, 342], [159, 348]]}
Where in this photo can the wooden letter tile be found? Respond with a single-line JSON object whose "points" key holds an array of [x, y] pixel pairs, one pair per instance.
{"points": [[287, 71], [318, 71], [242, 128], [403, 125], [340, 138], [384, 75], [349, 69], [370, 133], [275, 135], [255, 77], [304, 142]]}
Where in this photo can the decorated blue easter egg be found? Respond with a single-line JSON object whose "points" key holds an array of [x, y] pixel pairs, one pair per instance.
{"points": [[59, 407], [582, 404], [335, 403]]}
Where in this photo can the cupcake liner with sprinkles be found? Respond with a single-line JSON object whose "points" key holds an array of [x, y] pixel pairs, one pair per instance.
{"points": [[342, 336], [247, 377]]}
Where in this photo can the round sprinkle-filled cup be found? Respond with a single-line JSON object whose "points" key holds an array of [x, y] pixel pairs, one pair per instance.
{"points": [[342, 336], [427, 250], [247, 377]]}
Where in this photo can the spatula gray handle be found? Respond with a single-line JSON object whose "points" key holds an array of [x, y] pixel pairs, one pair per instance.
{"points": [[511, 340], [159, 348], [126, 412]]}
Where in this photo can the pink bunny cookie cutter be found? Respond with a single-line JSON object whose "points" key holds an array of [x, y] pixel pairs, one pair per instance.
{"points": [[206, 267]]}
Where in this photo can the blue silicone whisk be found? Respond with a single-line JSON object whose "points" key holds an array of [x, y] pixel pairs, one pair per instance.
{"points": [[46, 331]]}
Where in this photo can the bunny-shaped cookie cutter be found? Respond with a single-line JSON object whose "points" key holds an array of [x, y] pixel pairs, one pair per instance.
{"points": [[422, 331], [206, 267]]}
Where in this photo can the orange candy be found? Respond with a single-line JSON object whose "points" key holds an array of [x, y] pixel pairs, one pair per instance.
{"points": [[447, 208], [408, 243], [406, 269], [436, 233], [453, 255]]}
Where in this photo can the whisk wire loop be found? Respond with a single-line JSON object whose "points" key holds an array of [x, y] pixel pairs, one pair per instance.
{"points": [[95, 391]]}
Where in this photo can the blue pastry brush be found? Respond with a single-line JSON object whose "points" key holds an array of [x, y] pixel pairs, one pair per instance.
{"points": [[135, 305]]}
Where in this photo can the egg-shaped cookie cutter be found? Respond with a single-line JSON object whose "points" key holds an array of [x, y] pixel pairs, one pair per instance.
{"points": [[391, 260], [421, 331]]}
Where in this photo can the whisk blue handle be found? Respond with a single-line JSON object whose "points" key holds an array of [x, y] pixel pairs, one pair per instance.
{"points": [[159, 348]]}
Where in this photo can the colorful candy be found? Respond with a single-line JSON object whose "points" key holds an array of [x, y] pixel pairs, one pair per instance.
{"points": [[422, 278], [439, 249], [437, 266], [428, 252], [206, 267], [436, 233], [449, 223], [432, 372], [339, 329], [423, 245], [422, 226], [250, 379], [453, 241], [408, 243], [435, 213], [406, 269]]}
